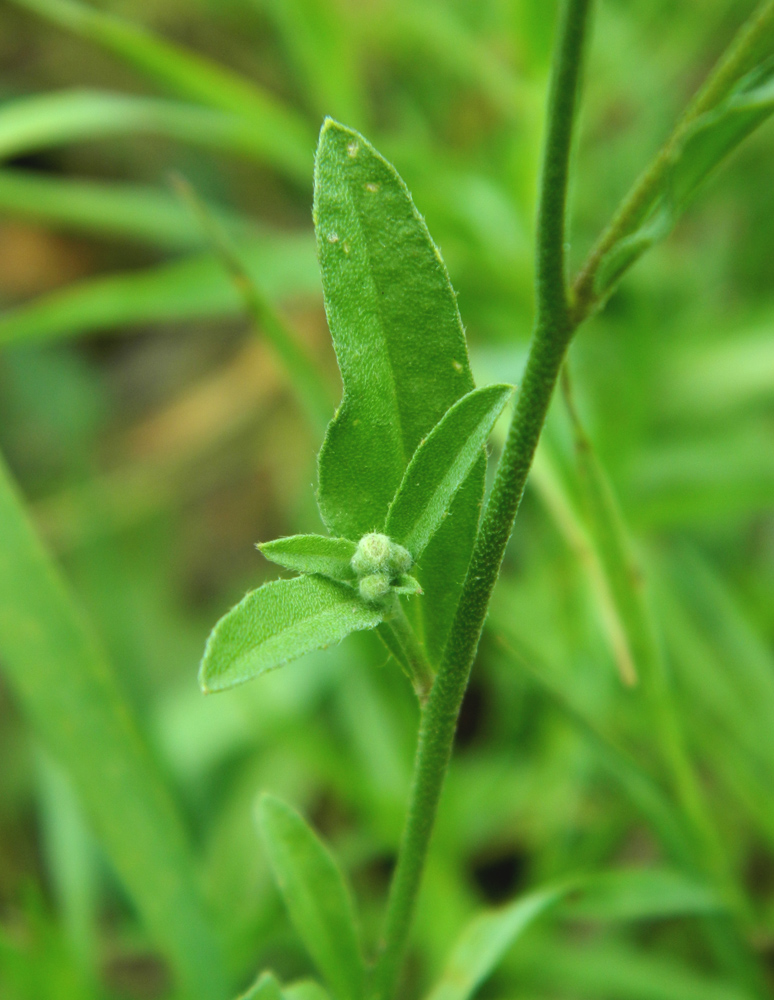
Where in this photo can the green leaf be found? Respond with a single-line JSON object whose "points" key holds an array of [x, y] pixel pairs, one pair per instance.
{"points": [[716, 134], [316, 896], [703, 147], [118, 210], [446, 559], [305, 989], [280, 622], [395, 326], [186, 289], [642, 894], [60, 679], [266, 987], [319, 554], [285, 136], [41, 121], [440, 465], [485, 941]]}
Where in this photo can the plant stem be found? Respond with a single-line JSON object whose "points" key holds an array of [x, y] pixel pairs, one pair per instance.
{"points": [[735, 61], [421, 673], [552, 335]]}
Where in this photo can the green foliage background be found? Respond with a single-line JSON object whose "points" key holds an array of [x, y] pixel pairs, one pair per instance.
{"points": [[156, 438]]}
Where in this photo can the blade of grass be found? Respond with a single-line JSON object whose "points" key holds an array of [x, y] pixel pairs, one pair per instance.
{"points": [[195, 287], [313, 392], [284, 134], [42, 121], [135, 212], [57, 671], [638, 785], [626, 581]]}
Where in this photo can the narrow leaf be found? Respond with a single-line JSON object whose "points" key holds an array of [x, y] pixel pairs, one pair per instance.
{"points": [[703, 147], [319, 554], [266, 987], [41, 121], [305, 989], [59, 676], [485, 941], [440, 465], [642, 894], [280, 622], [395, 326], [136, 212], [190, 75], [316, 896], [186, 289]]}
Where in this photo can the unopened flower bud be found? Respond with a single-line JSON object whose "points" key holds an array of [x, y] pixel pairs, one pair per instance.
{"points": [[374, 587]]}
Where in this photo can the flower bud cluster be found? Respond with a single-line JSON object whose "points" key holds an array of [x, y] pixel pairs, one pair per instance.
{"points": [[382, 567]]}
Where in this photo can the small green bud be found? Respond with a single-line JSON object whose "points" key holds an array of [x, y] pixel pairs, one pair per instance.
{"points": [[377, 553], [374, 587], [372, 555]]}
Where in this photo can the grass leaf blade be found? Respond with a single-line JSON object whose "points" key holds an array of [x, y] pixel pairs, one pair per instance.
{"points": [[59, 675]]}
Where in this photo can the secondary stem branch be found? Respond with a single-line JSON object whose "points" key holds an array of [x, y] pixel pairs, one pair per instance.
{"points": [[733, 64], [551, 338]]}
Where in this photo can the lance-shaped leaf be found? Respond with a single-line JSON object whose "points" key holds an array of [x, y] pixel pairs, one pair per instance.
{"points": [[279, 622], [316, 896], [485, 940], [318, 554], [395, 326], [440, 465]]}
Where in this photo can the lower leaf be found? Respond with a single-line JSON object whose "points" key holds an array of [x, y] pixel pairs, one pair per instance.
{"points": [[280, 622]]}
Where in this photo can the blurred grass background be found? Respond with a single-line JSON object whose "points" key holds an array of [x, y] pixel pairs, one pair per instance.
{"points": [[157, 437]]}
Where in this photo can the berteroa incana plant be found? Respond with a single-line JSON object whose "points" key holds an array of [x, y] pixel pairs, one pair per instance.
{"points": [[413, 549]]}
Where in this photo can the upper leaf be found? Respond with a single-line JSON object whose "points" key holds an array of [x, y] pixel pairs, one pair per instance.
{"points": [[440, 465], [316, 896], [279, 622], [319, 554], [395, 326]]}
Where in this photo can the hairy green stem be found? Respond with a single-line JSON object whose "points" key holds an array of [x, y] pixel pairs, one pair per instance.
{"points": [[734, 63], [549, 344], [421, 673]]}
